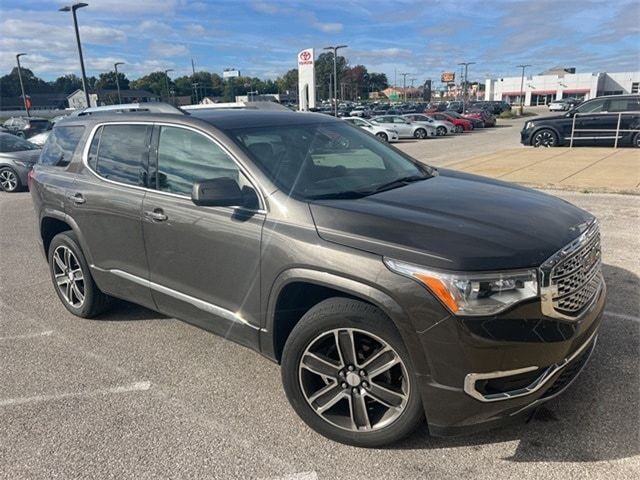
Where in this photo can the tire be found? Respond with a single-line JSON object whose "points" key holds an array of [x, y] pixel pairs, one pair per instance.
{"points": [[420, 133], [459, 129], [9, 180], [441, 131], [79, 293], [315, 334], [544, 138], [382, 136], [636, 141]]}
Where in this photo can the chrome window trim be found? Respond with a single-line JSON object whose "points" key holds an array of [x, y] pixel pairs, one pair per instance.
{"points": [[245, 172], [548, 373], [196, 302], [547, 290]]}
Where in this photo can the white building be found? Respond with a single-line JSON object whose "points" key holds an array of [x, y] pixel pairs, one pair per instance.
{"points": [[542, 89]]}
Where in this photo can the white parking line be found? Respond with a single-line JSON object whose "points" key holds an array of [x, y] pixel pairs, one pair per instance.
{"points": [[299, 476], [48, 333], [133, 387], [623, 316]]}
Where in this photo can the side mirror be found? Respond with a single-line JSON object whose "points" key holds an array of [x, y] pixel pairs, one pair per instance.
{"points": [[217, 192]]}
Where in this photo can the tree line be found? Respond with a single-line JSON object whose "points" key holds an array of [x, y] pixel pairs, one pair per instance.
{"points": [[353, 82]]}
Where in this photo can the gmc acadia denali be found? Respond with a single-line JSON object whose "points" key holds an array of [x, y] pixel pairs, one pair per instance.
{"points": [[388, 291]]}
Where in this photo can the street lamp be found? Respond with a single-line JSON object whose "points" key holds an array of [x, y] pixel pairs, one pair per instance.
{"points": [[72, 8], [24, 97], [466, 69], [166, 80], [523, 66], [335, 75], [115, 66]]}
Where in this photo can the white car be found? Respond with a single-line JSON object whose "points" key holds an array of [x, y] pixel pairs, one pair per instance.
{"points": [[360, 112], [405, 127], [442, 127], [40, 138], [383, 133], [562, 104]]}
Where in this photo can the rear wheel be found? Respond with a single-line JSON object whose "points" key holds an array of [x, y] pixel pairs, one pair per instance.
{"points": [[420, 133], [441, 131], [9, 181], [544, 138], [382, 136], [636, 140], [72, 278], [348, 375], [459, 129]]}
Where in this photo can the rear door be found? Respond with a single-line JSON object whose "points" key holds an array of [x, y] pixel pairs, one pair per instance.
{"points": [[204, 261], [591, 124], [628, 109], [106, 204]]}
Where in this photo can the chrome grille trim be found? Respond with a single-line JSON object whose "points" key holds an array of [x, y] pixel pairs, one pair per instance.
{"points": [[571, 279]]}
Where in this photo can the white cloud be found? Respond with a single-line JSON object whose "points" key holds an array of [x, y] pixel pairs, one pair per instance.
{"points": [[166, 50], [328, 27], [154, 27]]}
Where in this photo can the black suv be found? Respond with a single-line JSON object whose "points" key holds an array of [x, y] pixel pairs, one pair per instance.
{"points": [[388, 291], [595, 122]]}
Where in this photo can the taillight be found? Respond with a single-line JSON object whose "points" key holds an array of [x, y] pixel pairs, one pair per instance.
{"points": [[29, 178]]}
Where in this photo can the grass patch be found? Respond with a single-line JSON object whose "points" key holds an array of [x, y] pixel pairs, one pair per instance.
{"points": [[514, 114]]}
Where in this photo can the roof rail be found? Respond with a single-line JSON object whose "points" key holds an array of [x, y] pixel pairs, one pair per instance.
{"points": [[150, 107]]}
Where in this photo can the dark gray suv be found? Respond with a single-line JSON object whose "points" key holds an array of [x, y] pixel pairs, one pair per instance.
{"points": [[388, 291]]}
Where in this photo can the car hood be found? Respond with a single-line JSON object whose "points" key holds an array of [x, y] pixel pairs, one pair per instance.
{"points": [[30, 156], [454, 221]]}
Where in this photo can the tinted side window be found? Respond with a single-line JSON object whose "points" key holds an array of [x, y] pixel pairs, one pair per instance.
{"points": [[591, 107], [60, 145], [92, 158], [123, 152], [624, 105], [185, 157]]}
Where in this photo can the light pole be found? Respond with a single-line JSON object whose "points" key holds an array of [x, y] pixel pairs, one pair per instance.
{"points": [[72, 8], [404, 85], [24, 97], [166, 81], [115, 66], [466, 70], [523, 66], [335, 75]]}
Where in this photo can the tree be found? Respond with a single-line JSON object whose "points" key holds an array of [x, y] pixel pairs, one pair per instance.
{"points": [[378, 82], [324, 68], [357, 78], [67, 84], [288, 82], [154, 82], [10, 84], [107, 81]]}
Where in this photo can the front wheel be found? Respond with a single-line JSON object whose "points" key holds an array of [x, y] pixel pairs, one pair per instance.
{"points": [[459, 129], [636, 140], [544, 138], [420, 133], [382, 136], [441, 131], [9, 181], [348, 375]]}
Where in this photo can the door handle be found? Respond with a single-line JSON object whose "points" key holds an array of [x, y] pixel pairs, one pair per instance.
{"points": [[157, 215], [77, 198]]}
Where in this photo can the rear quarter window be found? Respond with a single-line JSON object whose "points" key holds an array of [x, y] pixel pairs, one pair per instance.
{"points": [[60, 146]]}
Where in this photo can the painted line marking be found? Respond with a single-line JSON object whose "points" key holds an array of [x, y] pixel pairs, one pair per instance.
{"points": [[47, 333], [312, 475], [133, 387], [623, 316]]}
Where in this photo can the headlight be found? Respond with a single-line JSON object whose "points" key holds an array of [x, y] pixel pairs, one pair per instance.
{"points": [[468, 293], [528, 125]]}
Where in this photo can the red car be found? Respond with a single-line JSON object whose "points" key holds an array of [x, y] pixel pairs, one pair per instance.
{"points": [[460, 123], [481, 114]]}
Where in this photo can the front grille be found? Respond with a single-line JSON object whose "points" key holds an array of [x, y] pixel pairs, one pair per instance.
{"points": [[575, 279]]}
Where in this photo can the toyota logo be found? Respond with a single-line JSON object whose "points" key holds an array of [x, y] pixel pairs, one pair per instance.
{"points": [[305, 56]]}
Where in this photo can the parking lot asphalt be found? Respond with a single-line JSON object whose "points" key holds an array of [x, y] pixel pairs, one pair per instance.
{"points": [[134, 394]]}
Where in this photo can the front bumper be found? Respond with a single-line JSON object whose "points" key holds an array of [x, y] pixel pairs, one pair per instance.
{"points": [[466, 354], [525, 136]]}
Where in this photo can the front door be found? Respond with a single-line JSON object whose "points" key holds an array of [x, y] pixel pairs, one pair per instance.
{"points": [[204, 262]]}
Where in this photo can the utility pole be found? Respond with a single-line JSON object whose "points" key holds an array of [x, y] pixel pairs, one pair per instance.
{"points": [[523, 66], [24, 97], [412, 79], [166, 82], [115, 66], [72, 9], [466, 71], [404, 85], [193, 79], [335, 75]]}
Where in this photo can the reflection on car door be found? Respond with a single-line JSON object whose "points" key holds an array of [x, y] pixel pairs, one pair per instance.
{"points": [[204, 262]]}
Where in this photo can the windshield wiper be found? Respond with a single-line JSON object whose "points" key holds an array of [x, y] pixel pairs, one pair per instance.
{"points": [[398, 182], [348, 194]]}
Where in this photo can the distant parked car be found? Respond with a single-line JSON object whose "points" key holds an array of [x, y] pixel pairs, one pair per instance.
{"points": [[40, 139], [563, 104], [461, 124], [482, 114], [383, 133], [442, 128], [476, 122], [362, 112], [17, 156], [404, 126], [27, 127], [455, 106]]}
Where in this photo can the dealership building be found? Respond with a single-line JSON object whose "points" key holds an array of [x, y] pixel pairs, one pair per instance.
{"points": [[560, 83]]}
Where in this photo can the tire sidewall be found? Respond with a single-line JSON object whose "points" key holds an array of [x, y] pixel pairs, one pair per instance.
{"points": [[346, 313], [69, 240]]}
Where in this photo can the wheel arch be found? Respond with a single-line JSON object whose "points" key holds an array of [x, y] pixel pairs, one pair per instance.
{"points": [[554, 129], [54, 222]]}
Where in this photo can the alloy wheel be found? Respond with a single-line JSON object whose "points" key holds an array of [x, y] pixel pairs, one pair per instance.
{"points": [[8, 180], [441, 131], [544, 138], [69, 277], [353, 380], [420, 133]]}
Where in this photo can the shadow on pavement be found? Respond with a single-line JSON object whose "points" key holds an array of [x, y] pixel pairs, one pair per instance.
{"points": [[598, 417]]}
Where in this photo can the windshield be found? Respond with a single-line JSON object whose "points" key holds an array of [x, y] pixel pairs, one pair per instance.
{"points": [[326, 160], [11, 143]]}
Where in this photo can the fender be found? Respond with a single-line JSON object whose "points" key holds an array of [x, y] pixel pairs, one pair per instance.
{"points": [[63, 217], [351, 287]]}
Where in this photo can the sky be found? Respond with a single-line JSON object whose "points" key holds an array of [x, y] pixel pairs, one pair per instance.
{"points": [[261, 37]]}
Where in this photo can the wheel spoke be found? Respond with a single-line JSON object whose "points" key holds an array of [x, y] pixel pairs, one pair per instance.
{"points": [[320, 366], [359, 414], [67, 292], [77, 274], [385, 396], [58, 260], [77, 292], [62, 279], [67, 258], [381, 362], [327, 397], [347, 347]]}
